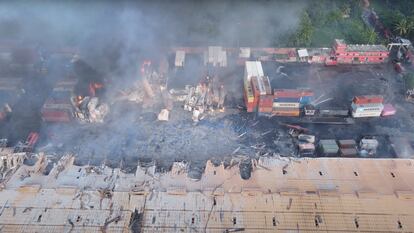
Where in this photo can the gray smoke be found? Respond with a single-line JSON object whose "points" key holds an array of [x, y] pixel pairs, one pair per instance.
{"points": [[113, 37]]}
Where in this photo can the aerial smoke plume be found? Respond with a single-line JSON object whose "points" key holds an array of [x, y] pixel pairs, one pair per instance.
{"points": [[113, 37]]}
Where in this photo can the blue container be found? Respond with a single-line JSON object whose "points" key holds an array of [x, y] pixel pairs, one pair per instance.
{"points": [[306, 99]]}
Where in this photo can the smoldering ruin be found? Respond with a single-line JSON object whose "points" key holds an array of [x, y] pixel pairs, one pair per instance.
{"points": [[135, 103], [206, 116], [112, 41]]}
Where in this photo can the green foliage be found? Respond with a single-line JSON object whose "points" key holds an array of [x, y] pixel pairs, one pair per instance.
{"points": [[404, 26], [334, 16], [357, 33], [317, 12], [303, 35], [369, 36], [325, 20]]}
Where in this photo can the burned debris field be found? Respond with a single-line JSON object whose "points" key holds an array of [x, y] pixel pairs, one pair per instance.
{"points": [[140, 95], [131, 131], [206, 116]]}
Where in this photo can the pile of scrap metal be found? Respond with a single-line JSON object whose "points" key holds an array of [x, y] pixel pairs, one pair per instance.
{"points": [[64, 105], [368, 146], [149, 89], [305, 141], [134, 94], [205, 97], [89, 109], [28, 144]]}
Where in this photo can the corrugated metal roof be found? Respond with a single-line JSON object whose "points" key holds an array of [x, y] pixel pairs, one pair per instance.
{"points": [[303, 53], [179, 58], [254, 69], [330, 194], [216, 56]]}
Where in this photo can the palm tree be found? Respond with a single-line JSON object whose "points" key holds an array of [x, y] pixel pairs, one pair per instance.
{"points": [[403, 27]]}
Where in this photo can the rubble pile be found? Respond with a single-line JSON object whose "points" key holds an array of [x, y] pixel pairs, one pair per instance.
{"points": [[10, 161], [91, 110], [206, 97]]}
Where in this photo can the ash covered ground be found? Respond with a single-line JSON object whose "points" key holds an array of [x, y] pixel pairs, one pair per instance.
{"points": [[131, 132]]}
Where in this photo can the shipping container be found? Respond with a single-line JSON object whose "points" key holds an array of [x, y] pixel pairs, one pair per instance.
{"points": [[287, 99], [307, 153], [285, 113], [368, 99], [297, 93], [348, 152], [328, 147], [306, 146], [329, 151], [58, 115], [306, 149], [265, 101], [304, 100], [261, 86], [59, 106], [367, 107], [366, 114], [306, 138], [327, 142], [253, 69], [285, 105], [349, 143], [248, 91], [368, 144], [250, 106], [265, 110], [334, 112]]}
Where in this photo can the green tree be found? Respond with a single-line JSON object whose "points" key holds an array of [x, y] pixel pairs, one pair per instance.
{"points": [[391, 17], [403, 27], [369, 36], [334, 16], [358, 33], [303, 35]]}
